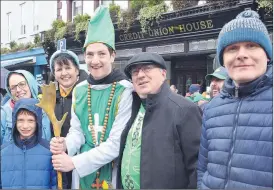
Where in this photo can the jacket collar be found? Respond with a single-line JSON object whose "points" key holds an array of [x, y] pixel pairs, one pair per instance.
{"points": [[115, 76], [82, 76], [161, 94], [250, 88], [153, 99], [28, 143]]}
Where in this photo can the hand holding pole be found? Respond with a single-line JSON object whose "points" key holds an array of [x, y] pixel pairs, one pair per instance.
{"points": [[47, 103]]}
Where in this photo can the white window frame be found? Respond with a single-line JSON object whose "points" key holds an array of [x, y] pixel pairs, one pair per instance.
{"points": [[9, 26], [22, 26], [106, 2], [35, 27], [74, 3]]}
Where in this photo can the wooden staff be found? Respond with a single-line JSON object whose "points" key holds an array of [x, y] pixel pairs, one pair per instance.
{"points": [[47, 103]]}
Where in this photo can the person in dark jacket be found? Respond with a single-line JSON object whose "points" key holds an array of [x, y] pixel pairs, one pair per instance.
{"points": [[26, 161], [160, 144], [236, 142], [64, 65]]}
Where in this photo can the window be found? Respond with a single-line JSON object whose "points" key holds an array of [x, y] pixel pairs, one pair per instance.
{"points": [[77, 8], [23, 26], [120, 65], [9, 26], [201, 2], [106, 2], [34, 22], [96, 4], [42, 37]]}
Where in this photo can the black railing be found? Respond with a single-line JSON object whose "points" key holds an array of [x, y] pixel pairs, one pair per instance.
{"points": [[204, 8], [199, 9]]}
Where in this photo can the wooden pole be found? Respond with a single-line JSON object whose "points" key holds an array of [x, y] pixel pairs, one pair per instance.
{"points": [[47, 103]]}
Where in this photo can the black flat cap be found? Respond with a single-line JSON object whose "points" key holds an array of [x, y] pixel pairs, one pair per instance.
{"points": [[145, 58]]}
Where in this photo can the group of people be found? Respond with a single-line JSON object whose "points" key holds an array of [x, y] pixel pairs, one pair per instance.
{"points": [[131, 131], [216, 79]]}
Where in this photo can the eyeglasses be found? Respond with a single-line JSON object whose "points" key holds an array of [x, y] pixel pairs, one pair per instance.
{"points": [[145, 68], [21, 85]]}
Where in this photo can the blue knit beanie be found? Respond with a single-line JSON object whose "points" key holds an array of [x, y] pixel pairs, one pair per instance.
{"points": [[194, 88], [58, 52], [246, 27]]}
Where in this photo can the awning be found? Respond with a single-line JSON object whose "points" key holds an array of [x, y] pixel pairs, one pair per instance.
{"points": [[24, 61]]}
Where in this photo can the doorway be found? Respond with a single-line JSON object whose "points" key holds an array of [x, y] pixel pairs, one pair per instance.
{"points": [[185, 78], [190, 70]]}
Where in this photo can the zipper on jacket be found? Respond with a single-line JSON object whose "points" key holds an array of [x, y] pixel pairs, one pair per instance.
{"points": [[233, 141], [236, 92], [63, 108], [63, 105], [44, 128], [24, 167]]}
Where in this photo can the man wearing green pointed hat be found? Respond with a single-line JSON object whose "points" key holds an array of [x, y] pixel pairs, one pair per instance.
{"points": [[101, 107]]}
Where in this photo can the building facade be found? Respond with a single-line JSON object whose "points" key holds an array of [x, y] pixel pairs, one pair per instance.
{"points": [[68, 9], [21, 21], [186, 39]]}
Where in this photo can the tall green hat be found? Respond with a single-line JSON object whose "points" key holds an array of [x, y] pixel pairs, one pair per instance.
{"points": [[100, 28]]}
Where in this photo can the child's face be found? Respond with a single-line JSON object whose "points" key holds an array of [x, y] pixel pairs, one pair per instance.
{"points": [[26, 125]]}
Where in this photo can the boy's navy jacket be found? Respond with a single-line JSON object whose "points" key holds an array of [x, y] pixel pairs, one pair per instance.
{"points": [[27, 163]]}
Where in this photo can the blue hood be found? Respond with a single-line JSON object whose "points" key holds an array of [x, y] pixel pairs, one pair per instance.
{"points": [[28, 104], [33, 84]]}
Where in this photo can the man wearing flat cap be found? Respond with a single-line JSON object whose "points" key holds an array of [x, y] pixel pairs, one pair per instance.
{"points": [[159, 146]]}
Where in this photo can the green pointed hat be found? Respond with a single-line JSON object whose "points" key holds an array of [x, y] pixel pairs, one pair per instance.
{"points": [[100, 28]]}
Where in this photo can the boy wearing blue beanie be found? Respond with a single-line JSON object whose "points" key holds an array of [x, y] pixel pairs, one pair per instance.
{"points": [[236, 142]]}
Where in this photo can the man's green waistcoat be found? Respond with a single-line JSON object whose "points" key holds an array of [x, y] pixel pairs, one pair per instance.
{"points": [[99, 100]]}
